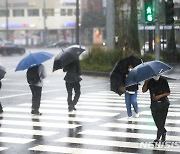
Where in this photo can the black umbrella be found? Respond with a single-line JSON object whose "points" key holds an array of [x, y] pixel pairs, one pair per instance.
{"points": [[2, 72], [68, 55], [118, 74]]}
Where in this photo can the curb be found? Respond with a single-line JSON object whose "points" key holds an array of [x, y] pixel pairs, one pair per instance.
{"points": [[107, 74], [95, 73]]}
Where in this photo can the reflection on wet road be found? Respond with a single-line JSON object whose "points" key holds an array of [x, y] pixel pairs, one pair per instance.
{"points": [[98, 126]]}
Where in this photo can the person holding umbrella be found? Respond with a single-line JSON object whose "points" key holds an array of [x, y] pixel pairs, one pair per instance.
{"points": [[68, 60], [159, 90], [72, 79], [131, 97], [35, 74], [2, 74], [36, 86], [1, 109]]}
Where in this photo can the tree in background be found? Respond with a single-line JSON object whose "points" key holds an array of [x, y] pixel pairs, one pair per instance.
{"points": [[133, 37], [126, 24]]}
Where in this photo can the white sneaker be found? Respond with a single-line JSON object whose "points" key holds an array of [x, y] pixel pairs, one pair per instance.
{"points": [[137, 115], [130, 117]]}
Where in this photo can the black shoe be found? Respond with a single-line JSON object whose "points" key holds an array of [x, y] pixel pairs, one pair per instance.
{"points": [[74, 108], [155, 142], [36, 112], [1, 111], [163, 139]]}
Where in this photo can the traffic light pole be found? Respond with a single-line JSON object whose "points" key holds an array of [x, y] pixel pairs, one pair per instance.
{"points": [[157, 30]]}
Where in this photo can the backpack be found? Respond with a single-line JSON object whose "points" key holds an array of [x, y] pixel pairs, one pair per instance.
{"points": [[33, 75]]}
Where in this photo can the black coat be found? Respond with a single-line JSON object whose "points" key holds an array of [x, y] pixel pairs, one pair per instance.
{"points": [[73, 72]]}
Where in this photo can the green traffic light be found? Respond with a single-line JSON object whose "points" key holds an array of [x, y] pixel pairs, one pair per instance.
{"points": [[149, 14]]}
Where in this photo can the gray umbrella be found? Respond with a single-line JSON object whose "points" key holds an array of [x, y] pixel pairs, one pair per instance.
{"points": [[69, 55]]}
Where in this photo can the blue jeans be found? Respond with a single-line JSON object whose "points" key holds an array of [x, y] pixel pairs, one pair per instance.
{"points": [[131, 99]]}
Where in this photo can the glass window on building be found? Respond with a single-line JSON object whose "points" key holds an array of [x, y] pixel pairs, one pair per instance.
{"points": [[63, 12], [18, 13], [70, 12], [48, 12], [3, 13], [33, 12]]}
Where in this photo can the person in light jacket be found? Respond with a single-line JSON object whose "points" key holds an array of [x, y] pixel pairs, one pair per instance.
{"points": [[36, 90]]}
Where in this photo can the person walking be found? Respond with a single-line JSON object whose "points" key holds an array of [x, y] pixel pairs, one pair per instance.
{"points": [[159, 90], [72, 79], [131, 97], [1, 108], [37, 74]]}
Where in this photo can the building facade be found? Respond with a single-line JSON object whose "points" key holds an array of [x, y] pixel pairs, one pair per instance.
{"points": [[36, 22]]}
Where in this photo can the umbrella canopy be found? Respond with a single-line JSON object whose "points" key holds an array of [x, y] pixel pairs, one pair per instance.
{"points": [[117, 75], [69, 55], [146, 71], [2, 72], [33, 59]]}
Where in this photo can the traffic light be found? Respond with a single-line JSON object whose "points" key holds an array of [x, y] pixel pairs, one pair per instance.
{"points": [[149, 11], [169, 12]]}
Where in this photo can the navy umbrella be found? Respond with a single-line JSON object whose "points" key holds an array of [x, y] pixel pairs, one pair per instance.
{"points": [[117, 75], [68, 55], [2, 72], [33, 59], [146, 71]]}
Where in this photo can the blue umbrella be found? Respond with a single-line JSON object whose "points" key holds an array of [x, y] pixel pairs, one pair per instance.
{"points": [[146, 71], [33, 59]]}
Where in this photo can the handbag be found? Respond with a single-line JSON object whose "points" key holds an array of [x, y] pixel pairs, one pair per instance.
{"points": [[160, 104]]}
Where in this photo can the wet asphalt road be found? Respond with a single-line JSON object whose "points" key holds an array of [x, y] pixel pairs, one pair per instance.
{"points": [[98, 126]]}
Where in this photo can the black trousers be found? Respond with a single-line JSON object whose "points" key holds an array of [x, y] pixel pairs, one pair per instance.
{"points": [[36, 96], [70, 87], [159, 117]]}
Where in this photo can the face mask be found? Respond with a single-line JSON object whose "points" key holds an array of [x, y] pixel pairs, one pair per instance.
{"points": [[156, 78], [130, 69]]}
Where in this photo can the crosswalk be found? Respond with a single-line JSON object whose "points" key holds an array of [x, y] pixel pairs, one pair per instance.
{"points": [[99, 125]]}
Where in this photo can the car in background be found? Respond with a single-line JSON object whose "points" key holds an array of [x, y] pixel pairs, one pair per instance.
{"points": [[8, 48], [60, 44], [145, 47]]}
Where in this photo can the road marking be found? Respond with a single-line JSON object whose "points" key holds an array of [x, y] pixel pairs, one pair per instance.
{"points": [[111, 143], [15, 140], [48, 148]]}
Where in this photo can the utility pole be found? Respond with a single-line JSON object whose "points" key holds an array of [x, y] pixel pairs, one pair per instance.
{"points": [[7, 22], [77, 22], [157, 30], [45, 27]]}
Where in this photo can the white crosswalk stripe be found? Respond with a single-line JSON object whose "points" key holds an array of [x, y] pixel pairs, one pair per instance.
{"points": [[99, 125]]}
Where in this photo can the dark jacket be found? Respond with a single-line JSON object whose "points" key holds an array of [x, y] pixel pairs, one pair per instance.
{"points": [[73, 72]]}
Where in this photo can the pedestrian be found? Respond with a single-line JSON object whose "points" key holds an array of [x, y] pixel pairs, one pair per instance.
{"points": [[72, 79], [1, 108], [131, 97], [35, 76], [159, 90]]}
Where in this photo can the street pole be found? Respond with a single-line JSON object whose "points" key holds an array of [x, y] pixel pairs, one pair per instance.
{"points": [[7, 22], [45, 28], [157, 30], [77, 22], [110, 24]]}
